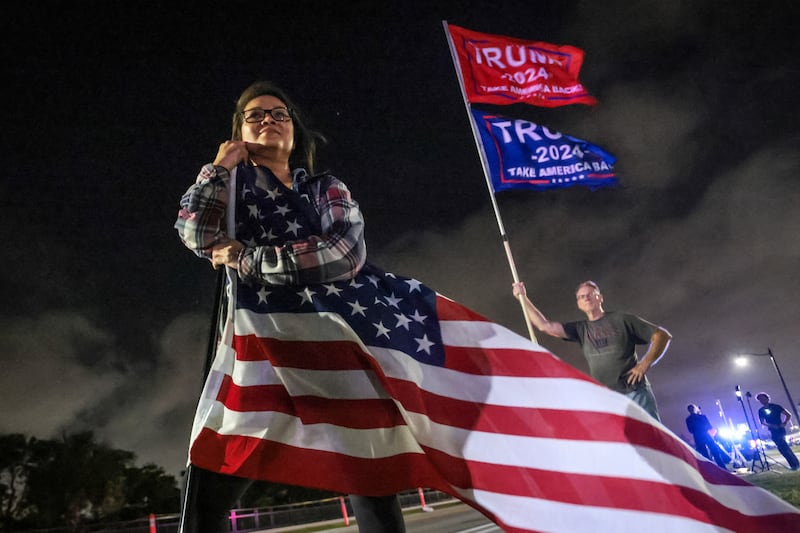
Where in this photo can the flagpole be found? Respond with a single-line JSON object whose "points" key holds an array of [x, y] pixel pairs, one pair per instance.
{"points": [[218, 317], [487, 176]]}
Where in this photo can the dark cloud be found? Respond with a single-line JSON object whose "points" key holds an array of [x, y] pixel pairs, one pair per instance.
{"points": [[56, 365]]}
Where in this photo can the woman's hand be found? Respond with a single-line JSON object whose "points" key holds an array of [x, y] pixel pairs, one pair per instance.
{"points": [[231, 153], [226, 254]]}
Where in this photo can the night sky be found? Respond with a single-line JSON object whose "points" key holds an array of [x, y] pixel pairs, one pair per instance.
{"points": [[110, 110]]}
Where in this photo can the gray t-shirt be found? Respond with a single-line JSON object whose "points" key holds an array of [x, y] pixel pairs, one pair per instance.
{"points": [[609, 345]]}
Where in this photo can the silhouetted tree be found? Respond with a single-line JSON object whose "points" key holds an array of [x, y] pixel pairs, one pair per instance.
{"points": [[267, 494], [150, 490], [75, 480], [15, 467]]}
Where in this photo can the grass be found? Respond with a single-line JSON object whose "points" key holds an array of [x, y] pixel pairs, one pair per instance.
{"points": [[783, 483]]}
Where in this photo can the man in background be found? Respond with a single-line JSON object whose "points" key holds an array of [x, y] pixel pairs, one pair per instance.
{"points": [[775, 417], [608, 341], [700, 428]]}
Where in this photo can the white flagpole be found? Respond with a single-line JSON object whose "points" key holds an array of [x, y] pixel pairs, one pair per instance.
{"points": [[482, 154]]}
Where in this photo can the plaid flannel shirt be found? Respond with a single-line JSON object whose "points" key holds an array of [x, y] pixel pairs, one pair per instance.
{"points": [[278, 256]]}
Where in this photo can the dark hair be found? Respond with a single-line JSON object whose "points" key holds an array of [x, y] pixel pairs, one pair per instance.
{"points": [[588, 283], [305, 145]]}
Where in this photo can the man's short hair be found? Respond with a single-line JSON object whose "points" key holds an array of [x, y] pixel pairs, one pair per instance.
{"points": [[692, 408], [588, 283]]}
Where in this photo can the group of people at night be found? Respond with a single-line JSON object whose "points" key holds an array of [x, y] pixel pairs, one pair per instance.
{"points": [[608, 341], [272, 148], [771, 415]]}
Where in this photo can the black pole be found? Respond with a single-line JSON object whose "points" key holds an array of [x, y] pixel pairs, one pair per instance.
{"points": [[744, 411], [750, 427], [217, 319], [785, 388], [748, 395], [759, 446], [217, 315]]}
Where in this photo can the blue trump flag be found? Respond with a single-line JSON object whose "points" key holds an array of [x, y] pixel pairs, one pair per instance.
{"points": [[524, 155]]}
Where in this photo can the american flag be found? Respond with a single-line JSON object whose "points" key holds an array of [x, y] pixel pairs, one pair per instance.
{"points": [[379, 384]]}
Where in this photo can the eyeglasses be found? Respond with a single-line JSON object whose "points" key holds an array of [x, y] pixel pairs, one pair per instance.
{"points": [[279, 114]]}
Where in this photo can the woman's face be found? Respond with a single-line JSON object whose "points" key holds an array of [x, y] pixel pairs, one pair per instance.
{"points": [[274, 134]]}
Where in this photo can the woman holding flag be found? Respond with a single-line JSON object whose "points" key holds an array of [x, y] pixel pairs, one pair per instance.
{"points": [[292, 229]]}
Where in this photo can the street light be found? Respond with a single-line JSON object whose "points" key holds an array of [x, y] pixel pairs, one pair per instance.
{"points": [[741, 360]]}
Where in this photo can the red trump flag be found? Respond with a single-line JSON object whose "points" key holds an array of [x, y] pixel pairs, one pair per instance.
{"points": [[504, 70]]}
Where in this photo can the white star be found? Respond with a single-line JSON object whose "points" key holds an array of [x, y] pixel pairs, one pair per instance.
{"points": [[382, 330], [414, 285], [402, 321], [424, 344], [393, 300], [293, 227], [268, 235], [378, 301], [262, 295], [418, 317], [332, 289], [357, 309], [355, 284], [245, 191], [305, 295], [251, 243], [373, 279], [253, 210], [273, 193], [282, 210]]}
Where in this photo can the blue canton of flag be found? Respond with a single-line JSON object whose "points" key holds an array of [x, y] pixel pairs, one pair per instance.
{"points": [[524, 155], [383, 309], [271, 217]]}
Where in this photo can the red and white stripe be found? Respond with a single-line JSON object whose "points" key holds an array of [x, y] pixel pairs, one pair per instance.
{"points": [[505, 426]]}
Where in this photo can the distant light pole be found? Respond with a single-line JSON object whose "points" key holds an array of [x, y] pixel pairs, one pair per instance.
{"points": [[722, 415], [737, 454], [741, 360]]}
